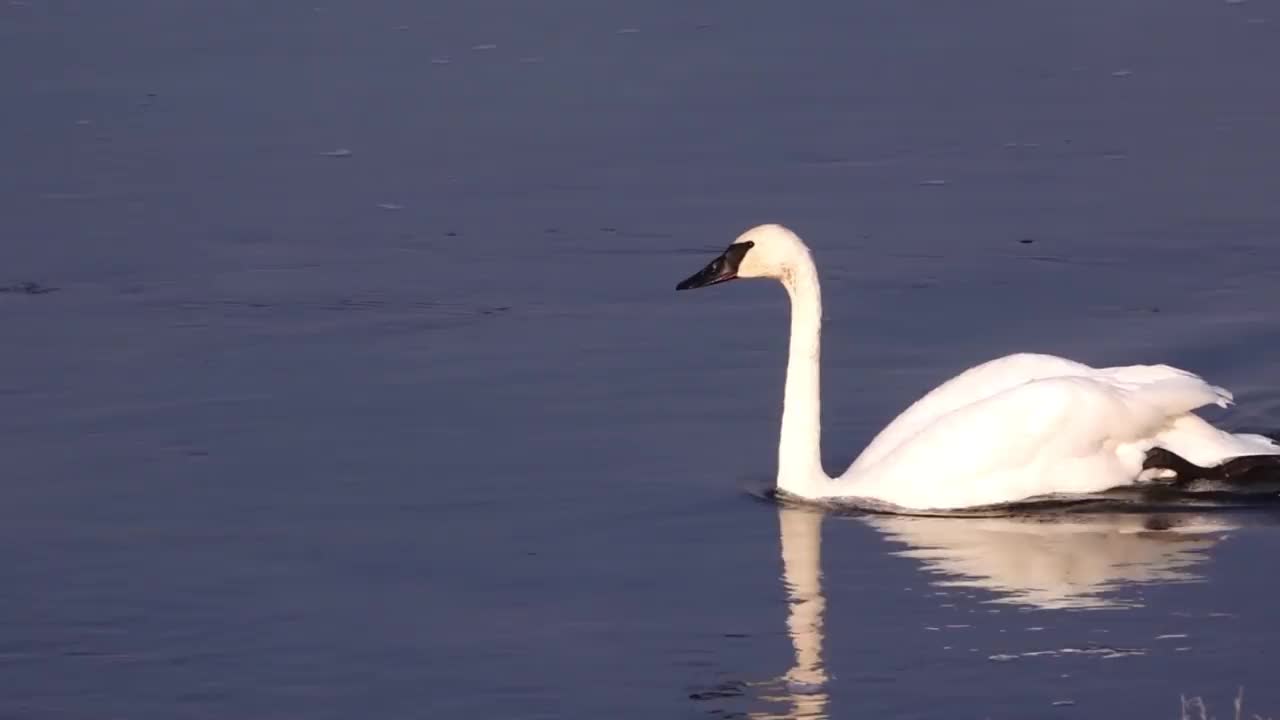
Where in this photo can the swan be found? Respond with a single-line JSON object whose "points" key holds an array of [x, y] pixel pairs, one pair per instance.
{"points": [[1014, 428]]}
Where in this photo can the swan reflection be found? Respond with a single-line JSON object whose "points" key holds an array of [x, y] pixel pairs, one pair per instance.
{"points": [[1056, 562], [802, 689], [1047, 562]]}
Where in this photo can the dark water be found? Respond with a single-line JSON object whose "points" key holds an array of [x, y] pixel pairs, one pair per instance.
{"points": [[342, 373]]}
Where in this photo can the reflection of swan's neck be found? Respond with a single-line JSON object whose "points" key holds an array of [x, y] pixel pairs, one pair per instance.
{"points": [[799, 456], [801, 535]]}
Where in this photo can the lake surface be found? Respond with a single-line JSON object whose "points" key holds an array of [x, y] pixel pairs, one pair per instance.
{"points": [[343, 375]]}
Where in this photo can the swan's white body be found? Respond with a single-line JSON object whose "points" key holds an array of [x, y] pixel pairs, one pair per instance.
{"points": [[1011, 429], [1030, 425]]}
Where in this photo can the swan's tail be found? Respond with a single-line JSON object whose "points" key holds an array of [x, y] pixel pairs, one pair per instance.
{"points": [[1244, 473], [1189, 454]]}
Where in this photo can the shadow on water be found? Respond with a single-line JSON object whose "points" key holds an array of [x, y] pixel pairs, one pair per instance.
{"points": [[1048, 554], [1156, 500]]}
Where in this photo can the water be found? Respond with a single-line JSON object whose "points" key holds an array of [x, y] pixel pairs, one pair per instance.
{"points": [[360, 387]]}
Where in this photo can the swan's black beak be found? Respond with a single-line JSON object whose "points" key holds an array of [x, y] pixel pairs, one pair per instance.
{"points": [[722, 269]]}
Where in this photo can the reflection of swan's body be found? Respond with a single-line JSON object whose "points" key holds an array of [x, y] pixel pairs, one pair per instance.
{"points": [[1014, 428], [1050, 562], [1067, 562]]}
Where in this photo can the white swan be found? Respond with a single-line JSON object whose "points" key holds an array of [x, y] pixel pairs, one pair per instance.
{"points": [[1014, 428]]}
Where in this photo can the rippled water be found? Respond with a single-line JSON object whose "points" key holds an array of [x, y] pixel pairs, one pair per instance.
{"points": [[343, 375], [1017, 615]]}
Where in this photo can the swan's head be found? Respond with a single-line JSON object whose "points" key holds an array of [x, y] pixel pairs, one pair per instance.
{"points": [[764, 251]]}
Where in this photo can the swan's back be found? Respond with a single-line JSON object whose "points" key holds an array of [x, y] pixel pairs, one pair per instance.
{"points": [[971, 386], [1065, 434]]}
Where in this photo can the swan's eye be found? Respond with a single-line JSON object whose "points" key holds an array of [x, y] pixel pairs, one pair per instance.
{"points": [[733, 256]]}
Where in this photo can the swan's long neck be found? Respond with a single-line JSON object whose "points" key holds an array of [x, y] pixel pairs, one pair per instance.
{"points": [[799, 449]]}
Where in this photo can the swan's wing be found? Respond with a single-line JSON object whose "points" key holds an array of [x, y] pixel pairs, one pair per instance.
{"points": [[975, 384], [1055, 435], [1189, 435], [1205, 445]]}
